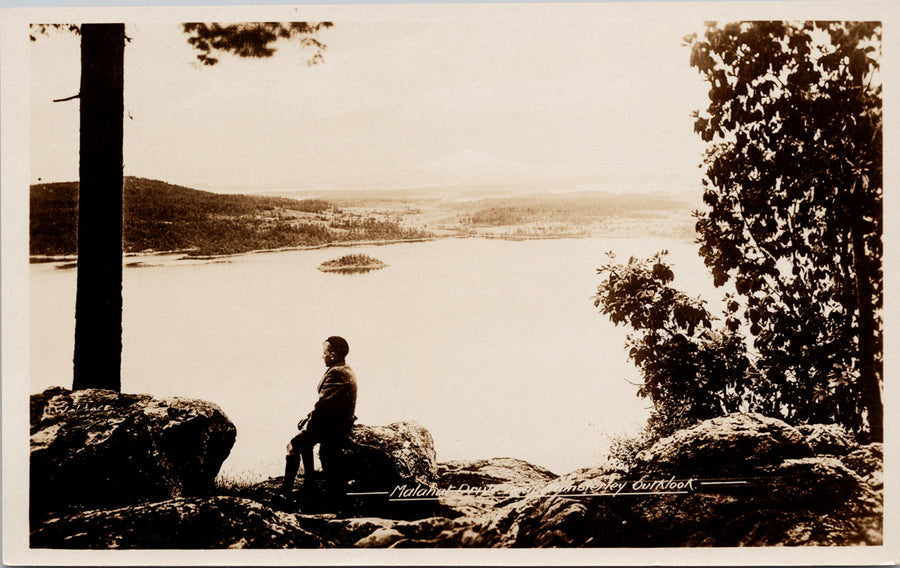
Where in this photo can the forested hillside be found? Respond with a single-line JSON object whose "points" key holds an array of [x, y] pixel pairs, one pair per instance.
{"points": [[162, 217]]}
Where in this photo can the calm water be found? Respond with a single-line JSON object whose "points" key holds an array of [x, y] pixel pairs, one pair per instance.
{"points": [[494, 346]]}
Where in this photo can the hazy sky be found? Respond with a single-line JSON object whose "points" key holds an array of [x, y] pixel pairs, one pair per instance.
{"points": [[574, 96]]}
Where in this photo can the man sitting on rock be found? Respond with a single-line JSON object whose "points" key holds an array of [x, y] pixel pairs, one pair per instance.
{"points": [[330, 420]]}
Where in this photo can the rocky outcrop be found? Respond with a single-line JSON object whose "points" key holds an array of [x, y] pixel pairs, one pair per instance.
{"points": [[738, 480], [777, 493], [728, 445], [756, 483], [480, 473], [477, 487], [827, 439], [103, 448], [218, 522], [867, 462]]}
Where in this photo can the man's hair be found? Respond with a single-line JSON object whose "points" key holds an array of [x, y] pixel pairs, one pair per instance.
{"points": [[339, 346]]}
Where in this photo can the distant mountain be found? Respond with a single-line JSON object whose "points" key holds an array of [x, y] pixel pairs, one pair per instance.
{"points": [[162, 217]]}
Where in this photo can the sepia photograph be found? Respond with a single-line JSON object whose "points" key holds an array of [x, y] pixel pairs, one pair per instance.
{"points": [[287, 284]]}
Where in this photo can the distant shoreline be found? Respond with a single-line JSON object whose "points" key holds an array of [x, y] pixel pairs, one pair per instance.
{"points": [[46, 259], [41, 259], [165, 219]]}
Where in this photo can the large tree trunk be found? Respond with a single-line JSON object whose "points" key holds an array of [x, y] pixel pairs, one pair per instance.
{"points": [[871, 386], [98, 303], [869, 373]]}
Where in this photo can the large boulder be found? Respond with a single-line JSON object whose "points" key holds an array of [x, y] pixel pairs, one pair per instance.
{"points": [[379, 458], [103, 448], [821, 484], [217, 522], [730, 445], [362, 472]]}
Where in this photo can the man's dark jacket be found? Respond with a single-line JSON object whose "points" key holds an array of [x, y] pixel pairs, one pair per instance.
{"points": [[333, 414]]}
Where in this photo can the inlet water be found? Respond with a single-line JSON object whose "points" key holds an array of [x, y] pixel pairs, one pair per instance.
{"points": [[494, 346]]}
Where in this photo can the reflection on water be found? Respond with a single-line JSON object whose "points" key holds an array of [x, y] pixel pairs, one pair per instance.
{"points": [[353, 269], [141, 264], [494, 346]]}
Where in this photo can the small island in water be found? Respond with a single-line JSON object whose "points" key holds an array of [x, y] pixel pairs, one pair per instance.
{"points": [[352, 264]]}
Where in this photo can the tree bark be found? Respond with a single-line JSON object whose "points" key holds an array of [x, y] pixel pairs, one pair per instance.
{"points": [[869, 375], [98, 303]]}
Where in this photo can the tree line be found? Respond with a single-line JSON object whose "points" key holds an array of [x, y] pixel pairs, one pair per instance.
{"points": [[570, 207], [163, 217]]}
